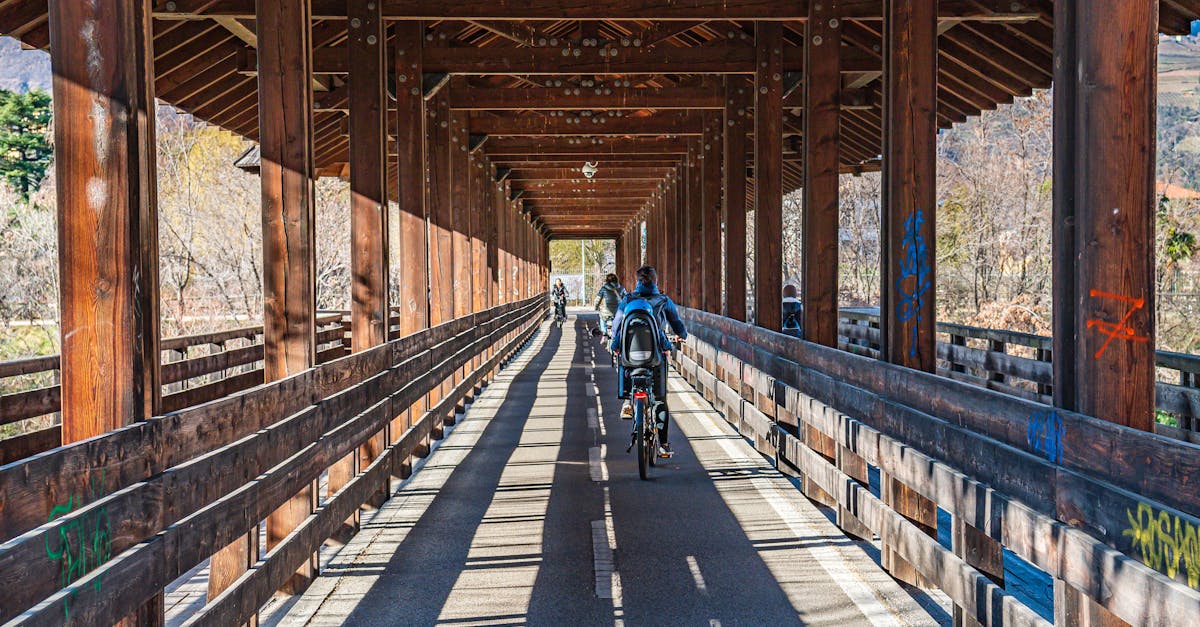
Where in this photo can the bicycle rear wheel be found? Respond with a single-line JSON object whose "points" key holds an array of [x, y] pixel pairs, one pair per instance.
{"points": [[643, 446]]}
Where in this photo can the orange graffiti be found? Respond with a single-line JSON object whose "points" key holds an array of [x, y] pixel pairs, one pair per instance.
{"points": [[1120, 329]]}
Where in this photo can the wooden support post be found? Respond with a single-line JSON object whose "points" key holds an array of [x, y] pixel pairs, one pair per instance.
{"points": [[681, 258], [441, 223], [822, 142], [907, 313], [369, 260], [1104, 208], [694, 270], [107, 221], [413, 305], [489, 209], [738, 96], [622, 264], [441, 213], [768, 175], [710, 173], [108, 216], [503, 247], [665, 264], [460, 203], [410, 164], [652, 232], [368, 175], [289, 287]]}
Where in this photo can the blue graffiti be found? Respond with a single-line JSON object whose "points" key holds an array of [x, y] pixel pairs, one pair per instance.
{"points": [[915, 278], [1045, 434]]}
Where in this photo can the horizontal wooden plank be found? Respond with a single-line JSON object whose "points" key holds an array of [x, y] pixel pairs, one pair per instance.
{"points": [[27, 444], [1108, 452], [1030, 534], [224, 514], [29, 404], [32, 487], [30, 365], [232, 487], [208, 364]]}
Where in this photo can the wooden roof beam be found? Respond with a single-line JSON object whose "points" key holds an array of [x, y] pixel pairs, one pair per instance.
{"points": [[573, 97], [514, 31], [716, 59], [583, 146], [616, 10], [687, 123]]}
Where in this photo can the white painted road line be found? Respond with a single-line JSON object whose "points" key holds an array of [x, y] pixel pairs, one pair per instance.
{"points": [[596, 466], [827, 556], [697, 576]]}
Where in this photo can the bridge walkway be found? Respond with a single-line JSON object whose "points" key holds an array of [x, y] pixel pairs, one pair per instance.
{"points": [[530, 512]]}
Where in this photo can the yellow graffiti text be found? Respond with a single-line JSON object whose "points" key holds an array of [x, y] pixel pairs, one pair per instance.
{"points": [[1165, 542]]}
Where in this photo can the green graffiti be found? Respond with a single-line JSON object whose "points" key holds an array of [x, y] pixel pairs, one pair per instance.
{"points": [[82, 544], [1165, 542]]}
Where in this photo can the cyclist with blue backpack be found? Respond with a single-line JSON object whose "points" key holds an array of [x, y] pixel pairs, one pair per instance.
{"points": [[646, 302]]}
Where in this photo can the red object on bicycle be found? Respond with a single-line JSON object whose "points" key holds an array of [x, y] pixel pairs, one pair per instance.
{"points": [[641, 395]]}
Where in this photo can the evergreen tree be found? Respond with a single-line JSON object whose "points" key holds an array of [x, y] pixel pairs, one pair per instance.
{"points": [[25, 150]]}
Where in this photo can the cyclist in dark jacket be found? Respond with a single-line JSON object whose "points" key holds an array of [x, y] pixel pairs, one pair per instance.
{"points": [[608, 301], [559, 295], [668, 315]]}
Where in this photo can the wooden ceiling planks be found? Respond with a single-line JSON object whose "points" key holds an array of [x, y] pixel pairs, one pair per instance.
{"points": [[990, 52]]}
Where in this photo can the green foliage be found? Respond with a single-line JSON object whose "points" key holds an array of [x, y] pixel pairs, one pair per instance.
{"points": [[1180, 245], [1165, 418], [25, 150], [1177, 244]]}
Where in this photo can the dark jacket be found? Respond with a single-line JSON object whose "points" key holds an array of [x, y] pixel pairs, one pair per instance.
{"points": [[610, 295]]}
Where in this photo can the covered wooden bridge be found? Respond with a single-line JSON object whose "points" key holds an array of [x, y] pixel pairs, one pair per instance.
{"points": [[468, 123]]}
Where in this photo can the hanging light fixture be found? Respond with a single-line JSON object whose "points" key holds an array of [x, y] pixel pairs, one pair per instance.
{"points": [[589, 169]]}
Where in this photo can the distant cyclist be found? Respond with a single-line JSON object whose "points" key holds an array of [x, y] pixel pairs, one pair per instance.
{"points": [[608, 301], [559, 295], [664, 309]]}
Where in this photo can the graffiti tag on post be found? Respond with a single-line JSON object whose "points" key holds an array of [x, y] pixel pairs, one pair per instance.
{"points": [[915, 279], [1045, 434], [1117, 330]]}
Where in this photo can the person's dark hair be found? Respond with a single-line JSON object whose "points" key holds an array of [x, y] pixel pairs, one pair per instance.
{"points": [[789, 290], [646, 274], [610, 278]]}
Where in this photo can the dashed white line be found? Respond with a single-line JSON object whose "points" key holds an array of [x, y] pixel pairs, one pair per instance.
{"points": [[697, 576], [596, 466]]}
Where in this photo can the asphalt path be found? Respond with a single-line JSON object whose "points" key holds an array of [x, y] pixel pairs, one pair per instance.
{"points": [[531, 512]]}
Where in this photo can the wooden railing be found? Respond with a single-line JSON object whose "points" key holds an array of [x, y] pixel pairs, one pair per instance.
{"points": [[195, 369], [1110, 513], [93, 530], [1020, 364]]}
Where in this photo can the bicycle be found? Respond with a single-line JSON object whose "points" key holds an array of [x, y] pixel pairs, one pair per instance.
{"points": [[646, 433]]}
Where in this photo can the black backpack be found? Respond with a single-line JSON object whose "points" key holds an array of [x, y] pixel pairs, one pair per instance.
{"points": [[639, 337]]}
